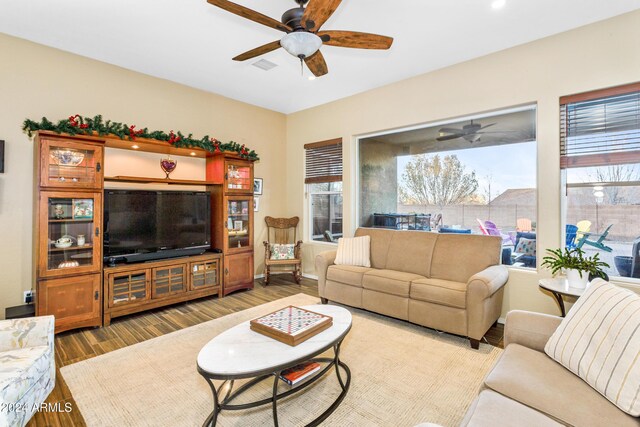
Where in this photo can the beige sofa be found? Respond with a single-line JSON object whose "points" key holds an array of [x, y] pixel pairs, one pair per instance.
{"points": [[449, 282], [528, 388]]}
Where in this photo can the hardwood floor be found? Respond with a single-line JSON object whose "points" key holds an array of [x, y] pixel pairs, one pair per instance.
{"points": [[74, 346]]}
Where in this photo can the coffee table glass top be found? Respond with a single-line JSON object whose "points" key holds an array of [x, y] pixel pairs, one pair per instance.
{"points": [[239, 351]]}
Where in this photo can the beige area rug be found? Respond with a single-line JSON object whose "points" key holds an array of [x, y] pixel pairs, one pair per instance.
{"points": [[402, 374]]}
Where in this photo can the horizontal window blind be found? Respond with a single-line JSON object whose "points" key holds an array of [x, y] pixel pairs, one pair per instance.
{"points": [[323, 161], [600, 131]]}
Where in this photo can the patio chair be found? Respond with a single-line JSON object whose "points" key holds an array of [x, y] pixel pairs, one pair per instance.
{"points": [[436, 222], [584, 226], [527, 258], [596, 243], [523, 225], [493, 230], [483, 230], [570, 232]]}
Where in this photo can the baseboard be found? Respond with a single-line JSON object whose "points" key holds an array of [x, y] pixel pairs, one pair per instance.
{"points": [[258, 276], [310, 276], [502, 320]]}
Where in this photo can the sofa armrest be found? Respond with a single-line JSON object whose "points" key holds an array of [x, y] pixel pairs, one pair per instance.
{"points": [[323, 261], [487, 282], [529, 329], [26, 333]]}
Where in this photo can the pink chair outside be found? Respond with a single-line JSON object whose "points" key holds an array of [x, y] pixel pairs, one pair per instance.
{"points": [[482, 228]]}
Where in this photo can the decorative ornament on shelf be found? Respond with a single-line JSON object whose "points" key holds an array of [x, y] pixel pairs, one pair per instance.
{"points": [[168, 165], [79, 125], [577, 267]]}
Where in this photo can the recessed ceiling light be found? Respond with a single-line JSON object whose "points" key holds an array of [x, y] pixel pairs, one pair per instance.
{"points": [[135, 147], [498, 4], [311, 77]]}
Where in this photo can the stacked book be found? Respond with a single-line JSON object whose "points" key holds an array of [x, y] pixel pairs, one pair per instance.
{"points": [[294, 375]]}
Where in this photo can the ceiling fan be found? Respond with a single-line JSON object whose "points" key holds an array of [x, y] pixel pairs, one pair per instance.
{"points": [[303, 37], [471, 132]]}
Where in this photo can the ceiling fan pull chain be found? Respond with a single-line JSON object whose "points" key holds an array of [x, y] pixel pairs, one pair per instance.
{"points": [[301, 66]]}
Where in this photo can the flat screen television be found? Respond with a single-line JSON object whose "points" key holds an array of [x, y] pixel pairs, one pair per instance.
{"points": [[148, 225]]}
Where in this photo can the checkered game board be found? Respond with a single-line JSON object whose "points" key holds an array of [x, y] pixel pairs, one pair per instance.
{"points": [[292, 320]]}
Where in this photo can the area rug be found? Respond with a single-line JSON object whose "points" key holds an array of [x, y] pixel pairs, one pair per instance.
{"points": [[402, 374]]}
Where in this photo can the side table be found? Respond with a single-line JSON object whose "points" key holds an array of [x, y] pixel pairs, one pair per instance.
{"points": [[559, 287]]}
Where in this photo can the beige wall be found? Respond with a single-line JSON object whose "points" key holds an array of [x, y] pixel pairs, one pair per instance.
{"points": [[38, 81], [599, 55]]}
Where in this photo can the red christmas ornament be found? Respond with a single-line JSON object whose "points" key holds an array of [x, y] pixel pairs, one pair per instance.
{"points": [[244, 151], [173, 138], [84, 126], [216, 145], [73, 120], [133, 133]]}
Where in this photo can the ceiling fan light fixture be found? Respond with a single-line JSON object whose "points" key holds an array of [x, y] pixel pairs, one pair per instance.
{"points": [[301, 44]]}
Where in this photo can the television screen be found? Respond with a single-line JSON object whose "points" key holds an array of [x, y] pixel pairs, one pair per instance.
{"points": [[148, 222]]}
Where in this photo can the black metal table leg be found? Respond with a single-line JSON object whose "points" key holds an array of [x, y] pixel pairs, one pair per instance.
{"points": [[212, 419], [560, 302], [276, 380]]}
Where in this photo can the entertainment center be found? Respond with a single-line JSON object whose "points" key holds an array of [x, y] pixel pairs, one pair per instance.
{"points": [[87, 238]]}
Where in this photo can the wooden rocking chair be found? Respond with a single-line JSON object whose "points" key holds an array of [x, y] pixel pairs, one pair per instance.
{"points": [[282, 231]]}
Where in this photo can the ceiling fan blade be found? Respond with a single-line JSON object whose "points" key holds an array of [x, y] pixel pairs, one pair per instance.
{"points": [[451, 130], [317, 12], [261, 50], [355, 39], [317, 64], [486, 126], [449, 137], [245, 12]]}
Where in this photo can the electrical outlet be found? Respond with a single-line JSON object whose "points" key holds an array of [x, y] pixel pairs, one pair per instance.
{"points": [[28, 297]]}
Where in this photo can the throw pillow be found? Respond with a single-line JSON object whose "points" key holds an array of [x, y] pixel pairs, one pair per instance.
{"points": [[354, 251], [599, 341], [526, 246], [282, 251]]}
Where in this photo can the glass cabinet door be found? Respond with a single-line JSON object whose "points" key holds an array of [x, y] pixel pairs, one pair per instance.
{"points": [[238, 177], [239, 221], [69, 164], [73, 239]]}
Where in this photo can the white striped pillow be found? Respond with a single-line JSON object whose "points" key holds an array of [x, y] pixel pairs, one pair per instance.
{"points": [[599, 341], [354, 251]]}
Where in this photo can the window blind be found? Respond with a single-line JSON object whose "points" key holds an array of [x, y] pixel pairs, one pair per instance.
{"points": [[323, 161], [600, 128]]}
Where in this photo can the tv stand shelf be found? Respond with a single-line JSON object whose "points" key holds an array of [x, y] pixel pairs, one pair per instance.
{"points": [[142, 180], [131, 288]]}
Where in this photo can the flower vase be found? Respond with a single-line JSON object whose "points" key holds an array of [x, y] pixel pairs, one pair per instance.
{"points": [[575, 281]]}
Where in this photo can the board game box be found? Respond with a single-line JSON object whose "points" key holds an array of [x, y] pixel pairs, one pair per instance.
{"points": [[291, 325]]}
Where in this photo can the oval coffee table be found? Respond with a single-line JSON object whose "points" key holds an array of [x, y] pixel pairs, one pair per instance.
{"points": [[240, 353]]}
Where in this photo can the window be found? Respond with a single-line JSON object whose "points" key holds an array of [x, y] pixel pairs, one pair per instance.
{"points": [[323, 177], [473, 175], [600, 158]]}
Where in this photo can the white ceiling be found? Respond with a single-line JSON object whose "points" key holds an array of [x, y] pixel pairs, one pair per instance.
{"points": [[192, 42]]}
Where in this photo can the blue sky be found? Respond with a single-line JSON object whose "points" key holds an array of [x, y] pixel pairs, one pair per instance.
{"points": [[510, 165]]}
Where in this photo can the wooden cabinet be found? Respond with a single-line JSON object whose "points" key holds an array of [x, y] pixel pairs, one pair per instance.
{"points": [[73, 164], [70, 235], [232, 218], [132, 288], [238, 272], [74, 301]]}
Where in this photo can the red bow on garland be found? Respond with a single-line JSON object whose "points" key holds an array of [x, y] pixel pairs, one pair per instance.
{"points": [[133, 133], [173, 138], [216, 145], [73, 121]]}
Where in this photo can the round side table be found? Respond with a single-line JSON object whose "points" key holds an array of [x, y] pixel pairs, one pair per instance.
{"points": [[559, 287]]}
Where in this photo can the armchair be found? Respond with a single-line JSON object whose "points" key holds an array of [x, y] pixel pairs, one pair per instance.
{"points": [[27, 367], [281, 248]]}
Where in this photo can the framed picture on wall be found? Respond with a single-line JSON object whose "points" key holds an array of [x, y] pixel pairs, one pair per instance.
{"points": [[257, 186], [2, 160], [256, 203]]}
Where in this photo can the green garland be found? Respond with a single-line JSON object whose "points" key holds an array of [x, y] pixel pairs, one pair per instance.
{"points": [[78, 125]]}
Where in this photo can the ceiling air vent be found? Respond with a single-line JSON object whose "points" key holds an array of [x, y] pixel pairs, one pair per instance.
{"points": [[265, 65]]}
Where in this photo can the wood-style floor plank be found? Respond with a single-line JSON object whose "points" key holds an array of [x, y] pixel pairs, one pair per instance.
{"points": [[75, 346]]}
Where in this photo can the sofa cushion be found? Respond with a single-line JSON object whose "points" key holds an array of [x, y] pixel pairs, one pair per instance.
{"points": [[21, 369], [380, 239], [535, 380], [443, 292], [457, 257], [389, 281], [599, 341], [411, 251], [346, 274], [491, 409]]}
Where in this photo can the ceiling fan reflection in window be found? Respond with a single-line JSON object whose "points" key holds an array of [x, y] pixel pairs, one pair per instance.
{"points": [[472, 132], [303, 37]]}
